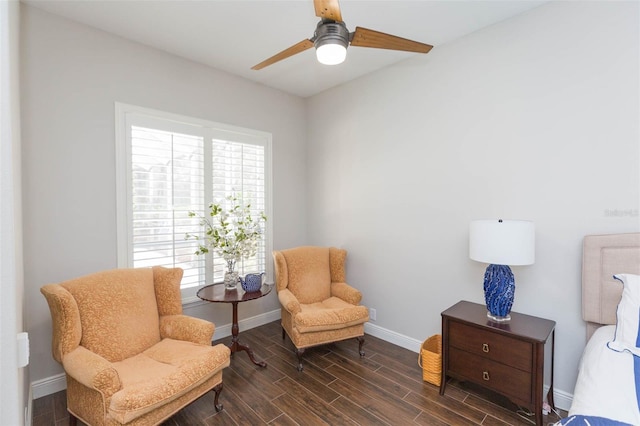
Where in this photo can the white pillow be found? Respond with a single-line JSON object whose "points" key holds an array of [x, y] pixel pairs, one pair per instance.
{"points": [[627, 336]]}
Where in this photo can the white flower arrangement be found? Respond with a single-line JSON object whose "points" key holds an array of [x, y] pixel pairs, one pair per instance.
{"points": [[232, 233]]}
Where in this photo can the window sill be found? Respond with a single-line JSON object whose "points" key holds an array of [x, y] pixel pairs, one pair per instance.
{"points": [[192, 302]]}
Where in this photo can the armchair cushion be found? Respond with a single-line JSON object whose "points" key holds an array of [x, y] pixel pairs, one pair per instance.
{"points": [[161, 374], [330, 314]]}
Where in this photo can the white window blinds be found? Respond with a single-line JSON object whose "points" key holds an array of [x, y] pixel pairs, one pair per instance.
{"points": [[167, 177], [236, 166], [171, 167]]}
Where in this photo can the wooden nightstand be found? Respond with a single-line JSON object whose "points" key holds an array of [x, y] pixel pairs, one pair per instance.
{"points": [[507, 357]]}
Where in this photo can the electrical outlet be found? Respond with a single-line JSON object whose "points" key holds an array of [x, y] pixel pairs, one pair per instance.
{"points": [[372, 314]]}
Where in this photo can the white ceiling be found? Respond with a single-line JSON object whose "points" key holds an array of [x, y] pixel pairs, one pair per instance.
{"points": [[235, 35]]}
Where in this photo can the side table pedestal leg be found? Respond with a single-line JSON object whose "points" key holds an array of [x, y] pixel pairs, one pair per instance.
{"points": [[235, 345]]}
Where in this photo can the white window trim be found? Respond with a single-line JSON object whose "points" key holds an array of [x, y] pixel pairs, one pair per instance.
{"points": [[123, 179]]}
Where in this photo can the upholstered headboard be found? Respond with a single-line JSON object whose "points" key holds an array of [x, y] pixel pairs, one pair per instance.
{"points": [[602, 257]]}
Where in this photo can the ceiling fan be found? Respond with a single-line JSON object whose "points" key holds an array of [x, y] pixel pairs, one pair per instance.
{"points": [[331, 39]]}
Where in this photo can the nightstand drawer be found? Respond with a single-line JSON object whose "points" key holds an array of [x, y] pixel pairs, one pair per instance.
{"points": [[509, 381], [486, 344]]}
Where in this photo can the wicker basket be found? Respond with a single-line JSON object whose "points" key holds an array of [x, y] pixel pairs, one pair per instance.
{"points": [[430, 359]]}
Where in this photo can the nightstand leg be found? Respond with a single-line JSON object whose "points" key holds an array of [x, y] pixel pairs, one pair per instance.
{"points": [[445, 344], [550, 393]]}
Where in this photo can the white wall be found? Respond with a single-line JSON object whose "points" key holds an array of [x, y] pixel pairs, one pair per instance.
{"points": [[533, 118], [71, 77], [14, 390]]}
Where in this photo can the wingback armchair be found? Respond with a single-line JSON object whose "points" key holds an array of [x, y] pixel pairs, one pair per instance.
{"points": [[130, 356], [317, 305]]}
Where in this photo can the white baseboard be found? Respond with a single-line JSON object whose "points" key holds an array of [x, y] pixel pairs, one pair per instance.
{"points": [[247, 324], [561, 399], [393, 337], [48, 385], [58, 382]]}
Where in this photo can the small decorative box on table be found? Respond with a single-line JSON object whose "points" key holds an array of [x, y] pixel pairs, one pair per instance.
{"points": [[506, 357]]}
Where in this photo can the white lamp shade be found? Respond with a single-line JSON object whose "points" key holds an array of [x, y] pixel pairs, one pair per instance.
{"points": [[502, 242], [331, 54]]}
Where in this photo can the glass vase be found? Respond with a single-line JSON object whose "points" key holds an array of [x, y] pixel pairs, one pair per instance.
{"points": [[231, 277]]}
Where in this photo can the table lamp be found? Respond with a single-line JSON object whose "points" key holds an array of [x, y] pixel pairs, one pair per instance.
{"points": [[501, 243]]}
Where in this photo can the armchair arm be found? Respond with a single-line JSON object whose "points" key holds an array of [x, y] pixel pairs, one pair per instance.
{"points": [[92, 370], [184, 327], [289, 301], [347, 293]]}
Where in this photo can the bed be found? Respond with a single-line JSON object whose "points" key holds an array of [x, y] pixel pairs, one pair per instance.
{"points": [[607, 391]]}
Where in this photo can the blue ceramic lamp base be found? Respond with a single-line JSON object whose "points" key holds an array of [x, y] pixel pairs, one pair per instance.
{"points": [[499, 291]]}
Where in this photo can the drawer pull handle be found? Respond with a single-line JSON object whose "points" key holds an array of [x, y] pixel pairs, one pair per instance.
{"points": [[485, 375], [485, 347]]}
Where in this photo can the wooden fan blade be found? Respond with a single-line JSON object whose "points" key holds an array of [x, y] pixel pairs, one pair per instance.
{"points": [[363, 37], [328, 9], [293, 50]]}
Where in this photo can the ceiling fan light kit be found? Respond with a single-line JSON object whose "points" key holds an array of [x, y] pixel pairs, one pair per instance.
{"points": [[331, 54], [332, 38]]}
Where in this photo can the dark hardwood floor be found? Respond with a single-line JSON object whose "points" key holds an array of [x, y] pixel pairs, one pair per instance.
{"points": [[337, 387]]}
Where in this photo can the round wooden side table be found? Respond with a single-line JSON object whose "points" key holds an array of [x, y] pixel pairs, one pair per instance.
{"points": [[217, 293]]}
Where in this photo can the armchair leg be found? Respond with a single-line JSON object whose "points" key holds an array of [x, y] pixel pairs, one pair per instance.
{"points": [[73, 420], [360, 344], [282, 333], [217, 389], [299, 352]]}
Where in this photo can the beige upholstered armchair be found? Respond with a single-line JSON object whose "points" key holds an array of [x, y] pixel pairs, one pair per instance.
{"points": [[130, 356], [318, 307]]}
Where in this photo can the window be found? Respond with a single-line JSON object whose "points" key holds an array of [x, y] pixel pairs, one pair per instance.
{"points": [[168, 165]]}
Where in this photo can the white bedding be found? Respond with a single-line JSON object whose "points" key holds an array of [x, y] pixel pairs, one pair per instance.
{"points": [[606, 382]]}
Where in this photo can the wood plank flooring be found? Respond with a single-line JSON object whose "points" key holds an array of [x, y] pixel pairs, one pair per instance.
{"points": [[337, 387]]}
